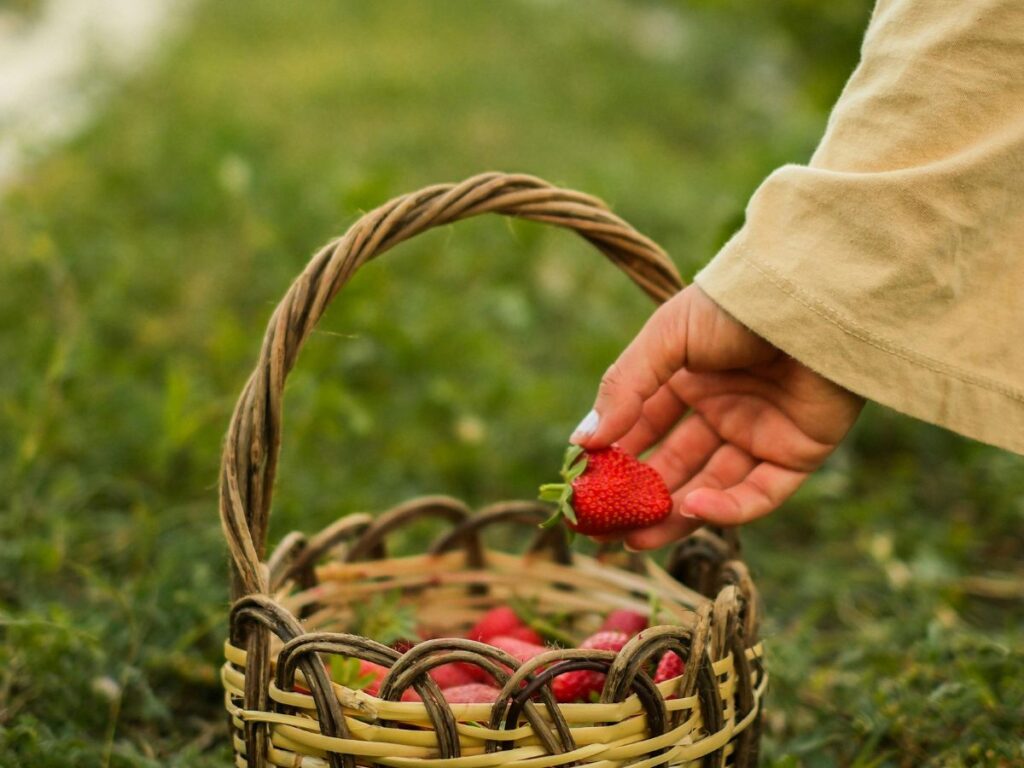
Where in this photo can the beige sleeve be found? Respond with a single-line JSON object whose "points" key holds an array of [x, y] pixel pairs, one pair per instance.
{"points": [[893, 263]]}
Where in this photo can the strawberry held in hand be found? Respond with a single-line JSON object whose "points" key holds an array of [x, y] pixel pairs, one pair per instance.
{"points": [[607, 491]]}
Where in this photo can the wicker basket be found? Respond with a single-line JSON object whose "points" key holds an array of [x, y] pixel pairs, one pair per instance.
{"points": [[291, 611]]}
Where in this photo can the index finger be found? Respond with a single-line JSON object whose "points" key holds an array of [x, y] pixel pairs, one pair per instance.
{"points": [[649, 361]]}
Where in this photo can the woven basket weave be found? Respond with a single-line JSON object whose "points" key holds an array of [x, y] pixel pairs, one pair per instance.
{"points": [[291, 610]]}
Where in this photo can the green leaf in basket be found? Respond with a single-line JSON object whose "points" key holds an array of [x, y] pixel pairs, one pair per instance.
{"points": [[546, 626], [385, 618], [653, 607], [345, 671]]}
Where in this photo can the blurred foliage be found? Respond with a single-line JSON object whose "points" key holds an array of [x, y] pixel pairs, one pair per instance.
{"points": [[139, 264], [24, 9]]}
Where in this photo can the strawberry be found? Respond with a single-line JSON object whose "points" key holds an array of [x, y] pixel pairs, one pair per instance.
{"points": [[582, 684], [621, 620], [473, 693], [467, 693], [671, 665], [501, 621], [451, 675], [607, 491], [472, 672], [520, 650], [526, 634], [497, 621]]}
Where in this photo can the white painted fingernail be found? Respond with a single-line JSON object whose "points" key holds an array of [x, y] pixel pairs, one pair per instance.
{"points": [[684, 512], [587, 427], [684, 509]]}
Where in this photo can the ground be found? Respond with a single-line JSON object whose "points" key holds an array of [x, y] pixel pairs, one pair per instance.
{"points": [[140, 261]]}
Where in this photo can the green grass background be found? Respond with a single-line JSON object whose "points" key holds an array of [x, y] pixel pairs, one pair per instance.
{"points": [[139, 264]]}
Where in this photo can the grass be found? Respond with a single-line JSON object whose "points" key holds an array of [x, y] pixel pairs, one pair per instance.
{"points": [[139, 264]]}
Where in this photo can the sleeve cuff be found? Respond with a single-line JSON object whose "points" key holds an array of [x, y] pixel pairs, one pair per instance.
{"points": [[792, 318]]}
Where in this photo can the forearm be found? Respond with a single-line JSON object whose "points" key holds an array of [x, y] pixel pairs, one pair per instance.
{"points": [[892, 263]]}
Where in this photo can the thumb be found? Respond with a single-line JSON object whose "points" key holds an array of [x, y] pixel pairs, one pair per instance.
{"points": [[657, 352]]}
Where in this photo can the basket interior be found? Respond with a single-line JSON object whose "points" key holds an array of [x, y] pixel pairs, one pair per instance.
{"points": [[449, 588]]}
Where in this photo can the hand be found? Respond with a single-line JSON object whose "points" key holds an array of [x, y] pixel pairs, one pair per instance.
{"points": [[738, 424]]}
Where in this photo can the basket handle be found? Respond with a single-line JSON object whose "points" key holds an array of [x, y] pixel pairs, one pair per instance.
{"points": [[249, 460]]}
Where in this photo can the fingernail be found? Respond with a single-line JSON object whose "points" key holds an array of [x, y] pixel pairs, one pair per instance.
{"points": [[628, 548], [585, 428], [686, 511]]}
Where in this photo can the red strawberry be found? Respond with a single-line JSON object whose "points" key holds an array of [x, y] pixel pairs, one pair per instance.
{"points": [[451, 675], [520, 650], [671, 665], [527, 635], [468, 693], [622, 620], [473, 672], [497, 621], [517, 649], [473, 693], [607, 491], [581, 684]]}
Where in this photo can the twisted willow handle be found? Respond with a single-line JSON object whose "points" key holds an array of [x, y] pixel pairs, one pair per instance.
{"points": [[250, 455]]}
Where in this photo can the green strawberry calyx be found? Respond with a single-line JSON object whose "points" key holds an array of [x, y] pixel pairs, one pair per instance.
{"points": [[561, 493]]}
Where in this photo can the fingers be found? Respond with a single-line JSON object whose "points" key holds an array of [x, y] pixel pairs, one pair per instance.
{"points": [[689, 330], [656, 353], [755, 413], [760, 492], [660, 413], [732, 489], [685, 451], [673, 528]]}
